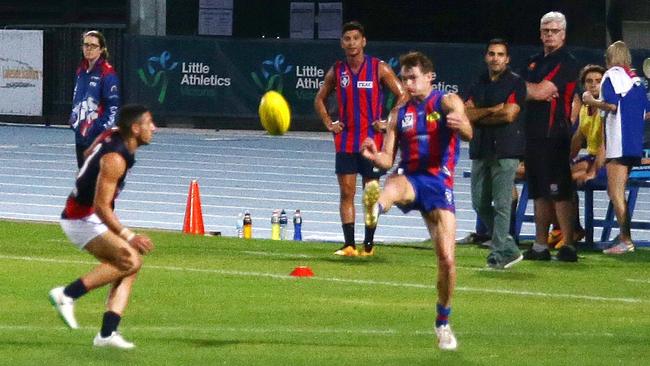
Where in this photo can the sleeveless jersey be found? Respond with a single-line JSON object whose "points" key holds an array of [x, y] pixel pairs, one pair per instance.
{"points": [[80, 200], [591, 126], [360, 103], [426, 144]]}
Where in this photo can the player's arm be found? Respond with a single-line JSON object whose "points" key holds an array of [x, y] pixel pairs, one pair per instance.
{"points": [[589, 100], [577, 140], [385, 158], [111, 167], [388, 78], [457, 120], [320, 102], [542, 91]]}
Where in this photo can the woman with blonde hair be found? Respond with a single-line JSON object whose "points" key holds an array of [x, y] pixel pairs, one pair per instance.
{"points": [[624, 102]]}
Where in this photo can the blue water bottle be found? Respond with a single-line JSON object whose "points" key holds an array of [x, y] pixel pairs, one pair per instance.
{"points": [[297, 226]]}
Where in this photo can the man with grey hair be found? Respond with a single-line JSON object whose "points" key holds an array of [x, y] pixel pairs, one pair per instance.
{"points": [[551, 78]]}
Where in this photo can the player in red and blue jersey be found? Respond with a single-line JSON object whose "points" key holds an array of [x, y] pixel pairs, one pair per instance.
{"points": [[358, 81], [427, 131]]}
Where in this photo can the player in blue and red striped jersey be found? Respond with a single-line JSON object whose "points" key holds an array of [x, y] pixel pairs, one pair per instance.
{"points": [[427, 131], [359, 83]]}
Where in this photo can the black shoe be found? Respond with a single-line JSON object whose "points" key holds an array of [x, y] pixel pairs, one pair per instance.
{"points": [[473, 238], [567, 254], [532, 255], [498, 262]]}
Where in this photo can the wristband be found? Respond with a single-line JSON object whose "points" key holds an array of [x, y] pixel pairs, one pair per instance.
{"points": [[334, 123], [127, 234]]}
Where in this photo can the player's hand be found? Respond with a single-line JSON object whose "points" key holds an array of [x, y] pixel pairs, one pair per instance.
{"points": [[335, 127], [380, 125], [588, 98], [369, 149], [142, 244], [456, 121]]}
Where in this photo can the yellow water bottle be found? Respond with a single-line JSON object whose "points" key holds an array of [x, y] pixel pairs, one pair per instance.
{"points": [[275, 225], [248, 225]]}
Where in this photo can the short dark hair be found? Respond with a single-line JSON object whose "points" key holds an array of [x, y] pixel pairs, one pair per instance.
{"points": [[416, 58], [353, 25], [590, 68], [500, 41], [128, 115]]}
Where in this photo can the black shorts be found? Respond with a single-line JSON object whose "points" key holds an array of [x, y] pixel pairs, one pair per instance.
{"points": [[355, 163], [625, 160], [548, 170]]}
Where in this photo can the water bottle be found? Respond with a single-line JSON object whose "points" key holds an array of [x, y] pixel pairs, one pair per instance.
{"points": [[275, 225], [283, 225], [248, 225], [239, 225], [297, 226]]}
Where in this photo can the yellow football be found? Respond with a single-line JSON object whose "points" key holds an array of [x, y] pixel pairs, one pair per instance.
{"points": [[274, 113]]}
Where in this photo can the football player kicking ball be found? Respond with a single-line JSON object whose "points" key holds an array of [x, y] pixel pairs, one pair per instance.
{"points": [[427, 131], [89, 222]]}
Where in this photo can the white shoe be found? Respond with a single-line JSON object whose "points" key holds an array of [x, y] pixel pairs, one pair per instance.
{"points": [[114, 340], [446, 339], [64, 306]]}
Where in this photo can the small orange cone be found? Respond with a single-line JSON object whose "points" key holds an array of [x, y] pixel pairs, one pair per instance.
{"points": [[193, 223], [302, 271]]}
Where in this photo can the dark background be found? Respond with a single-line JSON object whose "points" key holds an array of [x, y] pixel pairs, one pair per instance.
{"points": [[470, 21]]}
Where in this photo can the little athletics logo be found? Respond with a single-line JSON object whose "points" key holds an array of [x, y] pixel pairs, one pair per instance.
{"points": [[271, 72], [156, 74]]}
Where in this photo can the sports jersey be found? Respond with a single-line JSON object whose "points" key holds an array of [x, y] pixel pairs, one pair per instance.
{"points": [[95, 101], [624, 128], [360, 104], [591, 126], [80, 200], [426, 144], [505, 140], [551, 119]]}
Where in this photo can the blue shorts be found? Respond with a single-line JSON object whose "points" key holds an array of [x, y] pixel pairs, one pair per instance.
{"points": [[430, 194], [355, 163]]}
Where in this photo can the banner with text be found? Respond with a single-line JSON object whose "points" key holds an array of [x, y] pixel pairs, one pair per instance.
{"points": [[21, 72]]}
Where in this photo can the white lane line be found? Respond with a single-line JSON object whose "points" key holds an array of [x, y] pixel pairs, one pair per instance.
{"points": [[353, 281]]}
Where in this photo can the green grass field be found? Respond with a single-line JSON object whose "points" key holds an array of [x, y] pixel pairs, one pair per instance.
{"points": [[213, 300]]}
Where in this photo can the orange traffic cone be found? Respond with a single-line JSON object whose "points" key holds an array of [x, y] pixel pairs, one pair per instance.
{"points": [[193, 223]]}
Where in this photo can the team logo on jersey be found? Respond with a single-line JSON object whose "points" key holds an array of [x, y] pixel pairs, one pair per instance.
{"points": [[364, 84], [531, 66], [433, 117], [345, 80], [446, 171], [407, 122]]}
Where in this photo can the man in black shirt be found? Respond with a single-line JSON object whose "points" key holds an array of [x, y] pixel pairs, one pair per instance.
{"points": [[550, 81], [494, 106]]}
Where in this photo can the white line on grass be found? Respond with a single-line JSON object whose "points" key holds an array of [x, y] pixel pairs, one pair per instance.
{"points": [[312, 330], [637, 281], [347, 280]]}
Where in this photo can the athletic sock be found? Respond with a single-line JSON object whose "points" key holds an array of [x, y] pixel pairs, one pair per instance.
{"points": [[348, 234], [369, 238], [539, 247], [443, 315], [76, 289], [109, 324]]}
